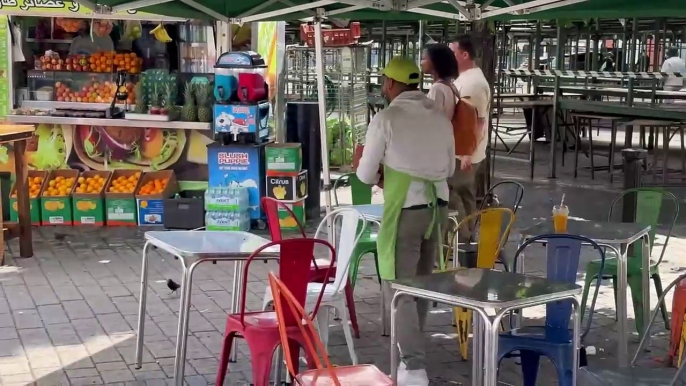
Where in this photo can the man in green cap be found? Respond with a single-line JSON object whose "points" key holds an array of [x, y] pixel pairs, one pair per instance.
{"points": [[413, 141]]}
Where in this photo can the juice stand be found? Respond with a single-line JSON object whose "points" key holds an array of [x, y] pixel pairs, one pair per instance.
{"points": [[161, 66]]}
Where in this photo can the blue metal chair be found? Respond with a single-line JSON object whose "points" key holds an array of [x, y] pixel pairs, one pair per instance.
{"points": [[554, 340]]}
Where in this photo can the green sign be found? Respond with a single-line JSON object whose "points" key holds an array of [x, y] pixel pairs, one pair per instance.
{"points": [[5, 46]]}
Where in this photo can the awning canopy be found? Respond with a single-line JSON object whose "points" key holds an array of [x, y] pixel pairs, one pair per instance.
{"points": [[243, 11]]}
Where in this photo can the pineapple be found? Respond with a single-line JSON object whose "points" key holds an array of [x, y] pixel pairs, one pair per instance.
{"points": [[189, 113], [141, 107], [203, 93], [169, 101], [155, 105]]}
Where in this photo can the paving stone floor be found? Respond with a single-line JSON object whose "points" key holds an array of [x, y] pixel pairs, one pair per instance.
{"points": [[68, 316]]}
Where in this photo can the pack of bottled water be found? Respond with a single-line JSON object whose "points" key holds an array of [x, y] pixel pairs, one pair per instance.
{"points": [[227, 208]]}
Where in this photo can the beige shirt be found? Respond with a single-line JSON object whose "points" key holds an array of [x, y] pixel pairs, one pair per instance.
{"points": [[473, 83], [410, 137]]}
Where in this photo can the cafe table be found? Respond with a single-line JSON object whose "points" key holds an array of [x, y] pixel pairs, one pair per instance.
{"points": [[480, 290], [192, 248], [617, 237]]}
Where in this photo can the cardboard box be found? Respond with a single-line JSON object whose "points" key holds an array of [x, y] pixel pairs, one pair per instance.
{"points": [[286, 221], [120, 208], [34, 202], [287, 188], [150, 207], [57, 210], [89, 208], [284, 158]]}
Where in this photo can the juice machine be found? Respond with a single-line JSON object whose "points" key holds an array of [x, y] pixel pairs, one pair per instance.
{"points": [[241, 112], [240, 125]]}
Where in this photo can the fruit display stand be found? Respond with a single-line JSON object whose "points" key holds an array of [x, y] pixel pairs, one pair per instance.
{"points": [[120, 202], [37, 179], [89, 198], [154, 188], [17, 135], [56, 197]]}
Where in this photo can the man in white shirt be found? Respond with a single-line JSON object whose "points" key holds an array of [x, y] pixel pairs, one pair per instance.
{"points": [[673, 63], [414, 143], [470, 83]]}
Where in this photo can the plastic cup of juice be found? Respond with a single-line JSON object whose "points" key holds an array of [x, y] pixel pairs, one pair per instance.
{"points": [[560, 216]]}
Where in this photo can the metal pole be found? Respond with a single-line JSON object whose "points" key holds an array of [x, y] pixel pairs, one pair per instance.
{"points": [[560, 52], [587, 53], [632, 53], [383, 45], [418, 58], [595, 60], [321, 96], [625, 46], [553, 132], [537, 55]]}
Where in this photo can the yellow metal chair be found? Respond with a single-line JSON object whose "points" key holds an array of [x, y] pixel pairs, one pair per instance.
{"points": [[493, 227]]}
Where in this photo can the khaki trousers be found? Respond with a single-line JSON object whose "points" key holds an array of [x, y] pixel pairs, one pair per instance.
{"points": [[414, 256]]}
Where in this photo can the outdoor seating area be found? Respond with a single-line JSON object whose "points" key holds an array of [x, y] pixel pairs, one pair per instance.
{"points": [[356, 192]]}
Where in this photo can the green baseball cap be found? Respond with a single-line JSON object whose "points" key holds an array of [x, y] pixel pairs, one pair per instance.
{"points": [[402, 70]]}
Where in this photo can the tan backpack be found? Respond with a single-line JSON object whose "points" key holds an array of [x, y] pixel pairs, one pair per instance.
{"points": [[465, 125]]}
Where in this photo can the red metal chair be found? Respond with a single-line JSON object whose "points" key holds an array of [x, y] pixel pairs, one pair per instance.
{"points": [[288, 308], [678, 340], [261, 329], [319, 267]]}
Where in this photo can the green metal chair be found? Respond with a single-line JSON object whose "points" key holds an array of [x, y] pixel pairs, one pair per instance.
{"points": [[361, 195], [648, 207]]}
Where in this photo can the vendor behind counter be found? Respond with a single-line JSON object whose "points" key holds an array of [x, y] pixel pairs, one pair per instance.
{"points": [[85, 44]]}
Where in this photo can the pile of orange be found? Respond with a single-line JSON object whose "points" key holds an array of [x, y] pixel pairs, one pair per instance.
{"points": [[111, 61], [34, 187], [90, 184], [59, 186], [124, 184], [155, 186], [127, 62]]}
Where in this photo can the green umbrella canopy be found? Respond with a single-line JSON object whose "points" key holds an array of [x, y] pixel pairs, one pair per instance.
{"points": [[237, 8], [607, 9]]}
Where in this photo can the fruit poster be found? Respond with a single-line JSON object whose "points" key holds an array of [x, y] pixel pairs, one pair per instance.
{"points": [[111, 147], [271, 45]]}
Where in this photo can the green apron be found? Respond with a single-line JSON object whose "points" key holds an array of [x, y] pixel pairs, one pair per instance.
{"points": [[395, 187]]}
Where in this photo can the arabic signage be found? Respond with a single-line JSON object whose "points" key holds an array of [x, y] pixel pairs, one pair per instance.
{"points": [[67, 8]]}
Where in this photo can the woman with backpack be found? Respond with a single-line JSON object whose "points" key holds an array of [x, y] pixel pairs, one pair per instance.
{"points": [[439, 61]]}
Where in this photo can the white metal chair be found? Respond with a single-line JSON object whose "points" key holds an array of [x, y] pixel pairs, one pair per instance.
{"points": [[352, 225]]}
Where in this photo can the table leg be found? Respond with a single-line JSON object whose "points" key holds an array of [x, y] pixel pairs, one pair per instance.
{"points": [[645, 279], [613, 140], [622, 306], [478, 339], [23, 206], [489, 371], [516, 315], [576, 337], [182, 332], [395, 352], [141, 307], [384, 321], [235, 300]]}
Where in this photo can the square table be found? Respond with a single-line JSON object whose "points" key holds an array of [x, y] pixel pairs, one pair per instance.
{"points": [[480, 289], [192, 248], [617, 236]]}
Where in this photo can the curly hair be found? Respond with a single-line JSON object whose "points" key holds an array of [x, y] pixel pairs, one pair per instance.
{"points": [[443, 61]]}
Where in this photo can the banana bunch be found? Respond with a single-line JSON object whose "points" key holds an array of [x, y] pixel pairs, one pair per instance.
{"points": [[161, 34]]}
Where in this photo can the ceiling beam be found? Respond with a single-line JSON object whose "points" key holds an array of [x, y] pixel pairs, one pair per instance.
{"points": [[207, 11], [528, 5], [285, 11]]}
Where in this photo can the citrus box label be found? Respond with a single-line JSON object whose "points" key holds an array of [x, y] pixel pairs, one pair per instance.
{"points": [[34, 210], [150, 212], [89, 211], [286, 221], [120, 211], [56, 211]]}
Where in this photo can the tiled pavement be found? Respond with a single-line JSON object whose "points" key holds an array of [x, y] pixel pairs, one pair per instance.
{"points": [[68, 315]]}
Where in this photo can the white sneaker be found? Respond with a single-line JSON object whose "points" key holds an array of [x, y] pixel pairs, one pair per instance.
{"points": [[412, 377]]}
